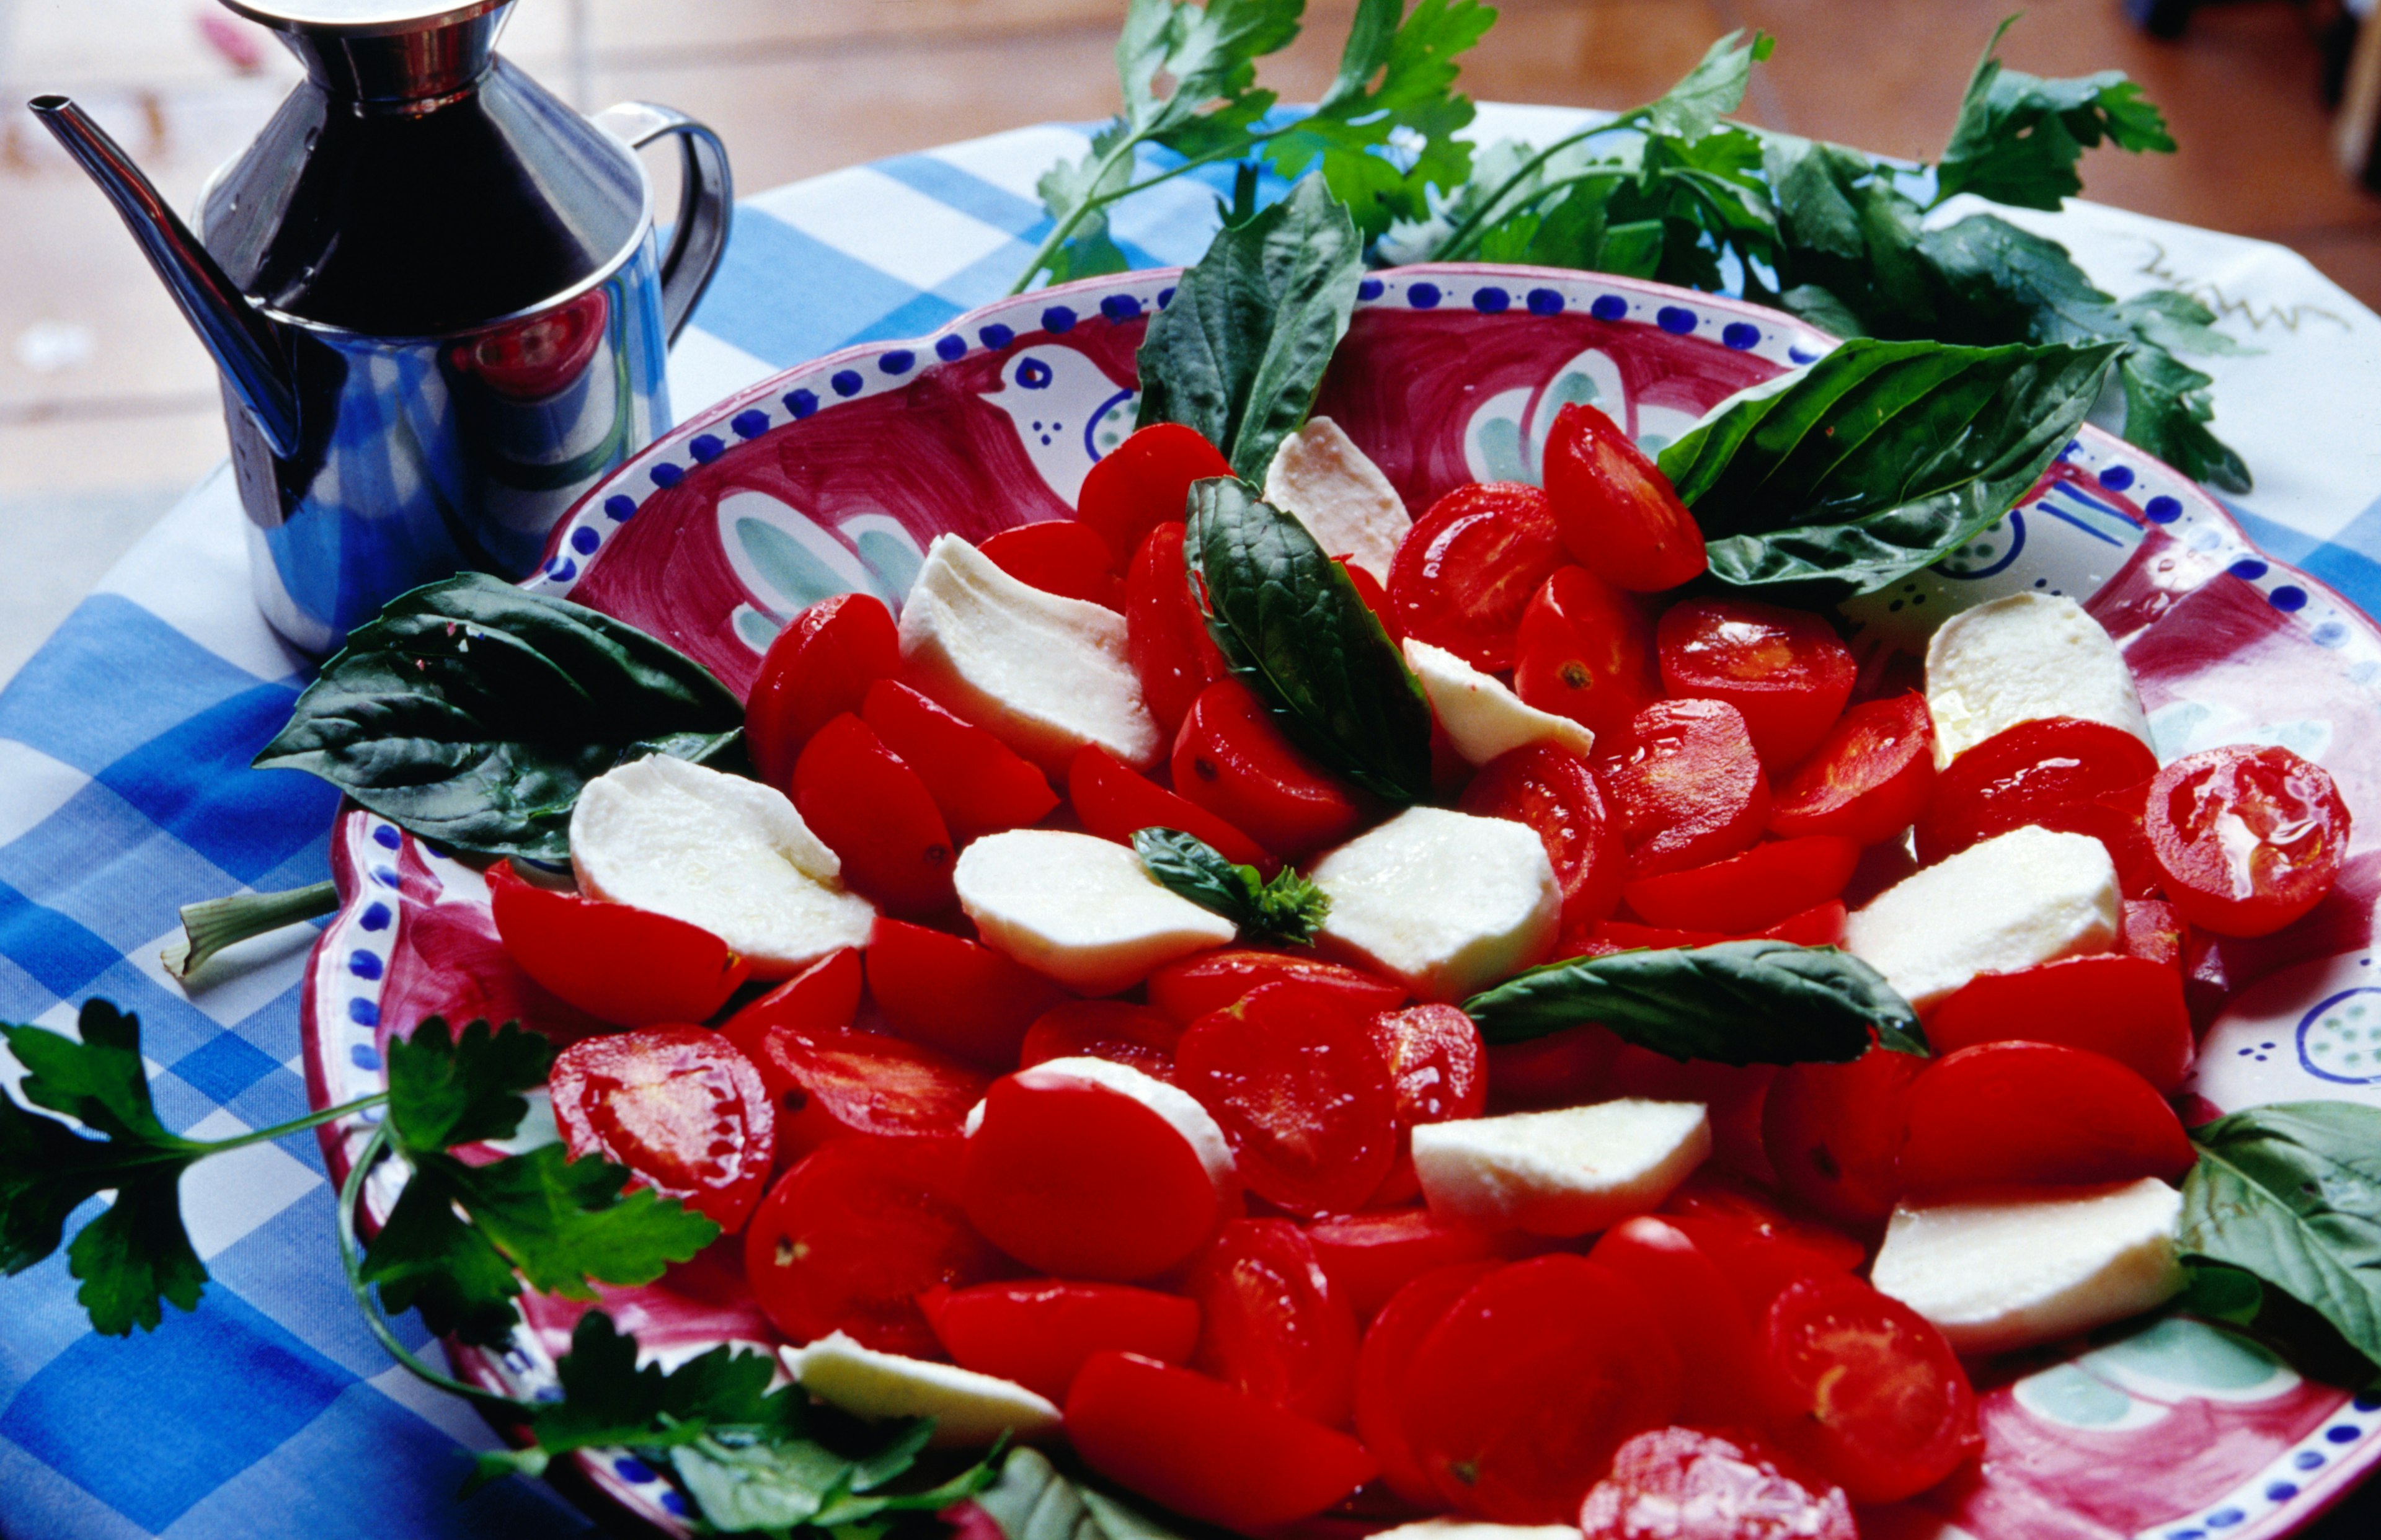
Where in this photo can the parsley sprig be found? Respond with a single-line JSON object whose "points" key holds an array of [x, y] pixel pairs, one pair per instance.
{"points": [[1287, 909]]}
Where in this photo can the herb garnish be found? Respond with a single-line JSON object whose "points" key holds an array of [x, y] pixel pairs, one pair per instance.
{"points": [[1034, 1501], [1288, 910]]}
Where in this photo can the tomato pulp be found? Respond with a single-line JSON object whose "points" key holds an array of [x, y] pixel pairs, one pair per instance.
{"points": [[1784, 669], [680, 1107], [1469, 567], [816, 669], [2248, 838], [1619, 515]]}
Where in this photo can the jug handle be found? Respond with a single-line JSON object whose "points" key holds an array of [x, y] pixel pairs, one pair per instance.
{"points": [[706, 202]]}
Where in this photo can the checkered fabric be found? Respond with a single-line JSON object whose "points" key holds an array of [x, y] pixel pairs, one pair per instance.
{"points": [[270, 1413]]}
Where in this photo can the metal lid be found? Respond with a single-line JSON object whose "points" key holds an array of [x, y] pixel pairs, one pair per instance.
{"points": [[362, 18]]}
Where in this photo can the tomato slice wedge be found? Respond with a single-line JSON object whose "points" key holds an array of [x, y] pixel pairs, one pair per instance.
{"points": [[1585, 650], [2034, 1114], [1706, 1322], [1785, 669], [1164, 636], [980, 784], [1114, 801], [1231, 759], [1561, 1068], [680, 1107], [1191, 988], [1834, 1133], [877, 816], [2248, 838], [1687, 787], [618, 963], [1143, 482], [1471, 565], [2025, 774], [1271, 1322], [1865, 1390], [820, 999], [2129, 1009], [1516, 1401], [1206, 1449], [1039, 1332], [816, 669], [1406, 1317], [1438, 1066], [953, 994], [1370, 1255], [1618, 514], [1058, 556], [1685, 1483], [1555, 793], [1746, 892], [830, 1082], [1867, 779], [1117, 1031]]}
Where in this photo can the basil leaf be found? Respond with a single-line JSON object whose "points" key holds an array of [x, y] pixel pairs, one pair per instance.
{"points": [[1291, 624], [2291, 1193], [1287, 909], [471, 712], [1880, 457], [1735, 1002], [1240, 350], [1033, 1501]]}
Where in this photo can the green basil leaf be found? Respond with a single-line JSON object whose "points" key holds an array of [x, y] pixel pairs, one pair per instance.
{"points": [[1288, 910], [2291, 1193], [1735, 1002], [471, 712], [1291, 624], [1239, 351]]}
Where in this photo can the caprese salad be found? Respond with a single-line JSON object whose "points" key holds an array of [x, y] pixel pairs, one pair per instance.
{"points": [[1093, 1059]]}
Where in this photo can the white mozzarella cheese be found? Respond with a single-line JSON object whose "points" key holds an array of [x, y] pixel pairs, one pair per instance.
{"points": [[970, 1410], [2020, 657], [1079, 909], [720, 851], [2013, 1271], [1043, 673], [1483, 718], [2029, 896], [1175, 1105], [1570, 1172], [1444, 902], [1320, 479]]}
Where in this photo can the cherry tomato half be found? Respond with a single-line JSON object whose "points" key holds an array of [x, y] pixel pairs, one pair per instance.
{"points": [[1745, 892], [1685, 1483], [680, 1107], [2129, 1009], [820, 999], [2020, 774], [1619, 516], [1165, 635], [1114, 801], [979, 784], [1231, 759], [953, 994], [1438, 1065], [852, 1235], [2040, 1115], [1687, 786], [2150, 928], [1865, 1390], [1867, 779], [2248, 838], [1585, 651], [1115, 1030], [1834, 1133], [1191, 988], [817, 668], [1272, 1325], [832, 1081], [1785, 669], [1561, 1068], [1707, 1323], [1555, 793], [875, 814], [1370, 1255], [1408, 1317], [1038, 1332], [618, 963], [1143, 482], [1471, 565], [1058, 556]]}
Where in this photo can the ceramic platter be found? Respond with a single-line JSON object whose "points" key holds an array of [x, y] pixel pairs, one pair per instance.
{"points": [[833, 477]]}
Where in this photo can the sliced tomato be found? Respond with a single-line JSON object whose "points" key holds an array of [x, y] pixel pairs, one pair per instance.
{"points": [[850, 1237], [1867, 779], [1619, 515], [2248, 838], [1403, 1322], [953, 994], [680, 1107], [1271, 1322], [1195, 985], [1687, 787], [2024, 774], [1834, 1133], [1758, 1245], [1085, 1182], [1115, 1030], [1058, 555], [1585, 650], [1515, 1402], [1165, 635], [1113, 800], [618, 963], [1471, 565], [1865, 1390], [1376, 598], [1820, 925], [2116, 820], [1732, 1096], [2127, 1008], [877, 816], [1686, 1484], [1372, 1255], [1292, 1075], [1561, 1068], [820, 999], [1143, 482], [1039, 1332], [1745, 892], [1785, 669], [818, 667], [1439, 1067], [979, 784], [830, 1082], [1700, 1310], [1231, 759], [2151, 928], [1555, 793], [1202, 1448], [2035, 1114]]}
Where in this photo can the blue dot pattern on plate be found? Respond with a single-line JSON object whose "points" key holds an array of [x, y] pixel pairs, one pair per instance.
{"points": [[1422, 297], [1800, 356], [1369, 289], [1121, 307], [363, 965], [801, 403], [750, 424], [363, 1013], [1677, 320], [619, 509], [1490, 300], [387, 836], [1609, 307], [2248, 570], [2163, 509], [996, 336], [376, 918], [1740, 334], [667, 475], [706, 447], [846, 382], [1034, 375], [2116, 478], [1545, 301], [950, 350], [562, 569], [365, 1058], [898, 362], [1058, 318], [2288, 597], [1165, 298], [584, 539], [632, 1469]]}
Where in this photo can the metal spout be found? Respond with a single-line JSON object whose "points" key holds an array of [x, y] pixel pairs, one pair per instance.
{"points": [[242, 342]]}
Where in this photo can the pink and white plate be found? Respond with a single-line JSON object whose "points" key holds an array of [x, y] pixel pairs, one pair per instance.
{"points": [[833, 477]]}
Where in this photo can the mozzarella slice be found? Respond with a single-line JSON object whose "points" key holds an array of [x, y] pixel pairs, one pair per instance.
{"points": [[2013, 1271], [1444, 902], [720, 851], [2025, 896], [970, 1410], [1570, 1172], [1482, 718], [1320, 479], [1175, 1105], [2017, 659], [1079, 909], [1044, 674]]}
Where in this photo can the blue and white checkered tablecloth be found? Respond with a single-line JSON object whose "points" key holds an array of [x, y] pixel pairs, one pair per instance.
{"points": [[270, 1413]]}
